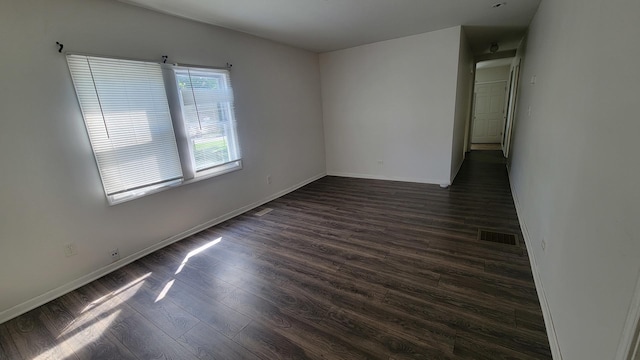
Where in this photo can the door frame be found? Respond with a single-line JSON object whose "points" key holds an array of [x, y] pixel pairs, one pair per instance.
{"points": [[512, 107], [629, 345], [468, 127]]}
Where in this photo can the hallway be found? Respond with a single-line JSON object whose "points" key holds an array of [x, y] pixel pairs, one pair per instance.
{"points": [[342, 268]]}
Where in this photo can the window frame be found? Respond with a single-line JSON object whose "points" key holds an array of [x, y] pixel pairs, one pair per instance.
{"points": [[182, 140], [187, 156]]}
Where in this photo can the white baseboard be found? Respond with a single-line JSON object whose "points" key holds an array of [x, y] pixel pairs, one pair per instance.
{"points": [[389, 178], [542, 297], [94, 275]]}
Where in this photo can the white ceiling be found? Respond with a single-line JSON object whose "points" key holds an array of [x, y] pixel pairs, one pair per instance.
{"points": [[327, 25]]}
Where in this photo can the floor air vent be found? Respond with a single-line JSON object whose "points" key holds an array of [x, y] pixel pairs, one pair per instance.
{"points": [[497, 237]]}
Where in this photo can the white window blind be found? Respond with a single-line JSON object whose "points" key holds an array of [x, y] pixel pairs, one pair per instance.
{"points": [[206, 99], [127, 117]]}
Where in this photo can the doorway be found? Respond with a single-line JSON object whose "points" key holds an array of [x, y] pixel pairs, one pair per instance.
{"points": [[494, 95]]}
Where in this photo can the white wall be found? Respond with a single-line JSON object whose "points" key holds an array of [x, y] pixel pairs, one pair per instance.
{"points": [[389, 107], [493, 74], [50, 192], [575, 168], [463, 104]]}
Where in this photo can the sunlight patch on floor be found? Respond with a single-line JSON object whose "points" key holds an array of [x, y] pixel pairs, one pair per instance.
{"points": [[81, 338], [164, 291], [196, 252], [137, 283]]}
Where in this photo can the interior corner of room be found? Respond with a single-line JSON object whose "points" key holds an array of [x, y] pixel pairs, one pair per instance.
{"points": [[406, 108]]}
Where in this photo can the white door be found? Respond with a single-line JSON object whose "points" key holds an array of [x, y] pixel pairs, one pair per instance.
{"points": [[488, 117]]}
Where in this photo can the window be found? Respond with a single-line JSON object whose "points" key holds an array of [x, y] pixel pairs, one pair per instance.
{"points": [[206, 103], [153, 126]]}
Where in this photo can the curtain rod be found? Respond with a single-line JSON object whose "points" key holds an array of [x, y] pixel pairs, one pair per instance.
{"points": [[228, 66]]}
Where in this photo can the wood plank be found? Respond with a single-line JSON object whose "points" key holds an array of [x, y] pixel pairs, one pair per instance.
{"points": [[8, 349], [301, 332], [531, 320], [514, 292], [144, 339], [365, 334], [33, 340], [160, 310], [269, 345], [209, 344], [87, 339], [430, 333], [208, 310]]}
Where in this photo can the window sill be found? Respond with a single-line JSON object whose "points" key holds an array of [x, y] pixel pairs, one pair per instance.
{"points": [[221, 170], [207, 174]]}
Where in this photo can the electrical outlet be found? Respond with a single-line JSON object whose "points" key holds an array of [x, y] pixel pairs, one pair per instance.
{"points": [[268, 179], [115, 254], [70, 249], [544, 244]]}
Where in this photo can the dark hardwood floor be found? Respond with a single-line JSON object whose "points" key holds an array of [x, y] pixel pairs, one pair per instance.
{"points": [[340, 269]]}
